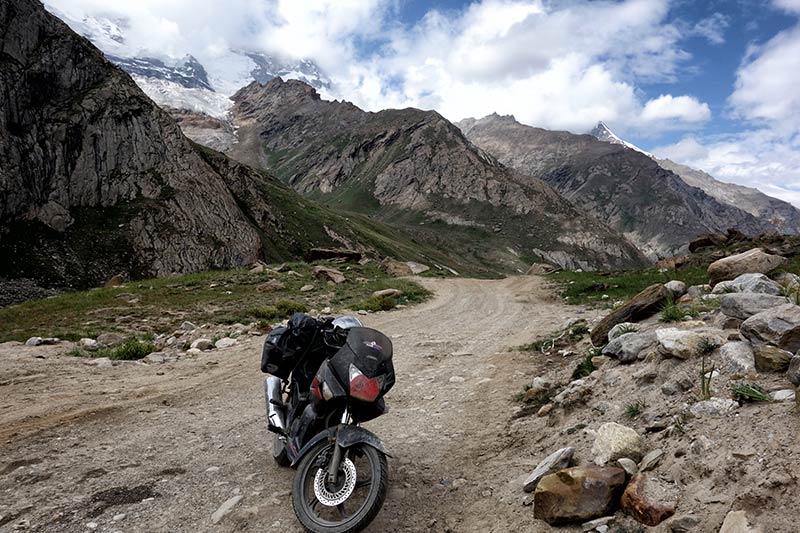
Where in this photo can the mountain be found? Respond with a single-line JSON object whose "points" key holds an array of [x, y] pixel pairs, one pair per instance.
{"points": [[97, 180], [186, 82], [782, 216], [626, 189], [415, 169]]}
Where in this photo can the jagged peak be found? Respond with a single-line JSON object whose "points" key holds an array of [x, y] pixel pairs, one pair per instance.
{"points": [[602, 132]]}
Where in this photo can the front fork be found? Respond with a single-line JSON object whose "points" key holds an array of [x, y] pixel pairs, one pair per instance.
{"points": [[338, 453]]}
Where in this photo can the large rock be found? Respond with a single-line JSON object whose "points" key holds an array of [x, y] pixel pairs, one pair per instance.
{"points": [[742, 305], [558, 460], [676, 287], [793, 373], [649, 500], [202, 344], [630, 347], [757, 283], [678, 343], [706, 240], [643, 305], [755, 260], [328, 274], [417, 268], [614, 441], [738, 522], [395, 268], [737, 358], [713, 407], [779, 326], [771, 359], [578, 494]]}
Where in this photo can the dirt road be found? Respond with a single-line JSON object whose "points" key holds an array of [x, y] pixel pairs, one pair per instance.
{"points": [[156, 448]]}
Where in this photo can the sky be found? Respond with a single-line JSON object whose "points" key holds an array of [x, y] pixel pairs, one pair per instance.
{"points": [[713, 84]]}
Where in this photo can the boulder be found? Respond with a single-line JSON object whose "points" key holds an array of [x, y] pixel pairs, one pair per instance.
{"points": [[676, 288], [742, 305], [707, 240], [395, 268], [793, 373], [187, 326], [771, 359], [339, 254], [578, 494], [630, 347], [678, 343], [225, 342], [696, 291], [88, 344], [202, 344], [110, 339], [539, 269], [713, 407], [33, 341], [779, 326], [738, 522], [649, 500], [619, 329], [328, 274], [756, 283], [755, 260], [271, 285], [417, 268], [558, 460], [737, 359], [387, 292], [614, 441], [643, 305]]}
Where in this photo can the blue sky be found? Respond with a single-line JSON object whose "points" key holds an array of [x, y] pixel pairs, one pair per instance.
{"points": [[713, 84]]}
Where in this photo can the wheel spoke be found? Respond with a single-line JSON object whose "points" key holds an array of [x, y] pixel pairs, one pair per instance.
{"points": [[313, 502], [363, 483], [342, 512]]}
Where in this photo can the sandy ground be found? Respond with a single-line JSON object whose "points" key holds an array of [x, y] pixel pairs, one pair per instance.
{"points": [[166, 445]]}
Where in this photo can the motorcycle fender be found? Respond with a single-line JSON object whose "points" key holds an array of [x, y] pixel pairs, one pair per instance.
{"points": [[346, 436]]}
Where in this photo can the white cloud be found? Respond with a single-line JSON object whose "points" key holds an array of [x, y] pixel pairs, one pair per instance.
{"points": [[788, 5], [676, 108], [712, 28]]}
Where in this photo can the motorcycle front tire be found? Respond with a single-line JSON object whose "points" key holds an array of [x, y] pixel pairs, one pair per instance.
{"points": [[379, 474]]}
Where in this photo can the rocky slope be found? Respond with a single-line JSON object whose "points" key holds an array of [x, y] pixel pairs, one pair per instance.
{"points": [[97, 180], [416, 169], [626, 189], [782, 215]]}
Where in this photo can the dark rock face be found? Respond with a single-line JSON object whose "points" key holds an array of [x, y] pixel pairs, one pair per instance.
{"points": [[416, 169], [641, 306], [96, 180], [629, 191]]}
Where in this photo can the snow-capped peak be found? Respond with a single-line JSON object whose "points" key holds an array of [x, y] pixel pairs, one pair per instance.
{"points": [[602, 132]]}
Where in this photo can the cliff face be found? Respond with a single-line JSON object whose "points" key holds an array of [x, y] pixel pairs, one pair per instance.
{"points": [[416, 169], [629, 191], [97, 180]]}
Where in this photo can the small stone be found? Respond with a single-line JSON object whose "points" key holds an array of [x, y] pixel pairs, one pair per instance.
{"points": [[793, 373], [615, 441], [771, 359], [713, 407], [554, 462], [596, 524], [225, 342], [387, 293], [628, 465], [271, 285], [783, 395], [225, 509], [194, 351], [328, 274], [362, 312], [88, 344], [545, 409], [738, 522], [156, 358], [306, 288], [457, 379], [187, 326], [202, 344], [34, 341], [684, 524], [650, 460], [744, 305], [103, 362], [92, 525], [212, 469], [649, 500], [118, 517], [327, 311], [110, 339]]}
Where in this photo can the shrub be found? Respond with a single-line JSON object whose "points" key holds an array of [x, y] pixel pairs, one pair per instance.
{"points": [[634, 409], [749, 392], [378, 303], [130, 350], [585, 366], [287, 308], [672, 312], [265, 313]]}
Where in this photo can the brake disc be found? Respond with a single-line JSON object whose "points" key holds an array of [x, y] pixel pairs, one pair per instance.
{"points": [[332, 499]]}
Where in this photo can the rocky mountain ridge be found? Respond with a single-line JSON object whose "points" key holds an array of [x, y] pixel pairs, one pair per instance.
{"points": [[97, 180], [416, 169], [626, 189]]}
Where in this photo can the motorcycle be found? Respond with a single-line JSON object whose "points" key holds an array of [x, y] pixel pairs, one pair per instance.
{"points": [[327, 377]]}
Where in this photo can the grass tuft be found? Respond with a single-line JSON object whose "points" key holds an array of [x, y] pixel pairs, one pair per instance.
{"points": [[585, 366], [634, 409], [749, 392]]}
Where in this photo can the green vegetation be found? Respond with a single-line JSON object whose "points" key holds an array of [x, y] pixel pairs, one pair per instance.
{"points": [[223, 297], [634, 409], [130, 350], [749, 392], [557, 339], [591, 287], [627, 328], [585, 366], [673, 312]]}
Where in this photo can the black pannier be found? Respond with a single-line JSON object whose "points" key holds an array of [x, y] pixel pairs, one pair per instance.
{"points": [[285, 347]]}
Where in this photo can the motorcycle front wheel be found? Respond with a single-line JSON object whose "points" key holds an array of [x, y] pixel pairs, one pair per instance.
{"points": [[349, 505]]}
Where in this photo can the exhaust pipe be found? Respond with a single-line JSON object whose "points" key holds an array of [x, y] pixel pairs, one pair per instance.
{"points": [[275, 416]]}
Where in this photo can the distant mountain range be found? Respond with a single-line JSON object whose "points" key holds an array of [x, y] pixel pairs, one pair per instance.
{"points": [[782, 216], [612, 181], [186, 82]]}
